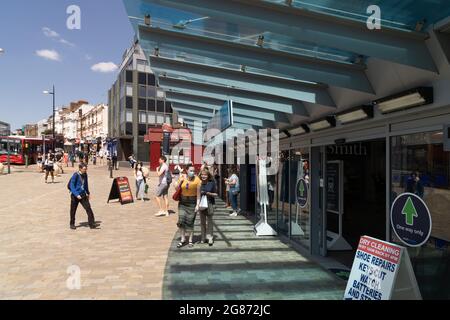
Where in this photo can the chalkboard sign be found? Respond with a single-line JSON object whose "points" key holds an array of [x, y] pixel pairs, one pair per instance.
{"points": [[121, 191], [333, 186]]}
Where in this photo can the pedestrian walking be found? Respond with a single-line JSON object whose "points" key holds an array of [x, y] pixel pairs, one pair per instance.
{"points": [[66, 159], [40, 162], [188, 205], [79, 189], [208, 190], [72, 159], [132, 161], [49, 165], [114, 161], [162, 191], [140, 181], [234, 190]]}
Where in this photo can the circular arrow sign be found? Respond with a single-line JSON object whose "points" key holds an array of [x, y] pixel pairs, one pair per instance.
{"points": [[411, 220], [302, 193]]}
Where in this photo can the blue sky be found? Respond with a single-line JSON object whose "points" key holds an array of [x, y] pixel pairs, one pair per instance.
{"points": [[104, 36]]}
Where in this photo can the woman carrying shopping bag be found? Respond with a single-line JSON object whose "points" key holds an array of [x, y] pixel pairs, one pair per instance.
{"points": [[188, 205], [208, 192]]}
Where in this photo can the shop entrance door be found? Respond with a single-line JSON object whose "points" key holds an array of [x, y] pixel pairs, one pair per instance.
{"points": [[356, 196]]}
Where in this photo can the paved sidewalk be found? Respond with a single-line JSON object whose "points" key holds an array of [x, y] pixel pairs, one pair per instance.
{"points": [[243, 266], [133, 255], [125, 258]]}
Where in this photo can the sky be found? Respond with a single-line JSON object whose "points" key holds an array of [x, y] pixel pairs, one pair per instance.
{"points": [[41, 51]]}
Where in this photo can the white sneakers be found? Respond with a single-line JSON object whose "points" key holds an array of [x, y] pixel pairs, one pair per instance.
{"points": [[162, 214], [234, 214]]}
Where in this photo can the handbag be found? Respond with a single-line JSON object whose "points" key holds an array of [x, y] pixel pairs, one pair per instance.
{"points": [[146, 189], [177, 195], [203, 203]]}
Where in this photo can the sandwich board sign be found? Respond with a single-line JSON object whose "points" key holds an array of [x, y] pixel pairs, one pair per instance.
{"points": [[121, 191], [381, 271]]}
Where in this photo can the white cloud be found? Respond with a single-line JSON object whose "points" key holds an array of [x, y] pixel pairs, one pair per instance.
{"points": [[88, 57], [49, 54], [104, 67], [70, 44], [50, 33]]}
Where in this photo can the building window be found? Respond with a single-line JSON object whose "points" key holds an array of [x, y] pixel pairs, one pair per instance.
{"points": [[420, 165], [151, 81], [142, 78], [169, 107], [129, 76], [142, 129], [151, 91], [160, 119], [129, 90], [160, 94], [143, 117], [129, 129], [142, 104], [151, 104], [129, 116], [168, 119], [129, 103], [160, 106], [142, 91], [151, 118]]}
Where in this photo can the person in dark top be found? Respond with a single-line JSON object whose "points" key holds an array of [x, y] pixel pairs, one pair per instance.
{"points": [[79, 189], [208, 189]]}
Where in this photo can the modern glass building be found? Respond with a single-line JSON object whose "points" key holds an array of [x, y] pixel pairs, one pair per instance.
{"points": [[361, 101], [136, 104]]}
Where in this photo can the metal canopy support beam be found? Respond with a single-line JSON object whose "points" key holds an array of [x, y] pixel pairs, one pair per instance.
{"points": [[191, 121], [207, 102], [239, 110], [238, 119], [395, 45], [342, 75], [287, 88], [257, 100]]}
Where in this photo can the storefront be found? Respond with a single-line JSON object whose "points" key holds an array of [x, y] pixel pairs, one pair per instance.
{"points": [[354, 175]]}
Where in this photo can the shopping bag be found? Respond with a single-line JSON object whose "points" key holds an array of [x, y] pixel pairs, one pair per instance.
{"points": [[146, 189], [203, 203], [177, 195]]}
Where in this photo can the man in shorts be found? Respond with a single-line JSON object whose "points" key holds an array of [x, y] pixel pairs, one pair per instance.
{"points": [[162, 190]]}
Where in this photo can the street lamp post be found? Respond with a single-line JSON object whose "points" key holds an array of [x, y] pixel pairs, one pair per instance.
{"points": [[53, 94], [8, 146]]}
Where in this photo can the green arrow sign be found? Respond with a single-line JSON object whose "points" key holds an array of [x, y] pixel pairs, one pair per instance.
{"points": [[410, 212], [302, 189]]}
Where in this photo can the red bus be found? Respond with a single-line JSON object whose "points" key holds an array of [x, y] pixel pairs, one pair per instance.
{"points": [[21, 146]]}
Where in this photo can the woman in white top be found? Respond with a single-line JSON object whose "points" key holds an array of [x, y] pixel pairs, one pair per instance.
{"points": [[140, 181]]}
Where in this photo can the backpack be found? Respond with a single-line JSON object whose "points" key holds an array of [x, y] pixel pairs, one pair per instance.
{"points": [[68, 184], [168, 177]]}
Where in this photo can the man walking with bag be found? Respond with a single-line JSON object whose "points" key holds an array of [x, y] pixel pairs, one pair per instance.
{"points": [[79, 189]]}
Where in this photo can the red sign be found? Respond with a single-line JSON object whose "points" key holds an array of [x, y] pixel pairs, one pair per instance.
{"points": [[380, 249]]}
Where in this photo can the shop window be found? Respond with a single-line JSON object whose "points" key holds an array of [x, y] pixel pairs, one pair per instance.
{"points": [[420, 165]]}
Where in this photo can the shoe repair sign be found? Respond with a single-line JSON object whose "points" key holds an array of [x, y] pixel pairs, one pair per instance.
{"points": [[381, 271]]}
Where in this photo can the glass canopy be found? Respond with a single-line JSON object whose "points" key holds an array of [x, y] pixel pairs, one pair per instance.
{"points": [[190, 23], [402, 14]]}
